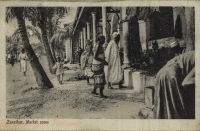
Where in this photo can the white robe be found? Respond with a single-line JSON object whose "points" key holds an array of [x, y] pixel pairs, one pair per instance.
{"points": [[23, 65], [114, 72]]}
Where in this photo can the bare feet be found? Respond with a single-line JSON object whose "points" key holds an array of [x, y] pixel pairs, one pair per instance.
{"points": [[94, 93], [102, 96], [110, 87]]}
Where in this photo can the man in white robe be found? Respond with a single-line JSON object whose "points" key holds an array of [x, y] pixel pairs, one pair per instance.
{"points": [[114, 69], [23, 65]]}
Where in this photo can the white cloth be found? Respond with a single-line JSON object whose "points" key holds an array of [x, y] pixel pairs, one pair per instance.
{"points": [[88, 72], [23, 64], [86, 63], [114, 71]]}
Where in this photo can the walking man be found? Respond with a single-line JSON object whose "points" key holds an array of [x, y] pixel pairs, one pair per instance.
{"points": [[23, 65]]}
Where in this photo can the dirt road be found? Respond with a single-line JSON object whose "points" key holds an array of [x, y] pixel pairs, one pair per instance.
{"points": [[72, 100]]}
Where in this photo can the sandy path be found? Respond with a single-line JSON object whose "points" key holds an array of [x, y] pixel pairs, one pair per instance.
{"points": [[72, 100]]}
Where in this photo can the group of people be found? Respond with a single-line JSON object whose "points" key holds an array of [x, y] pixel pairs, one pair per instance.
{"points": [[23, 60], [101, 64], [174, 85], [22, 57]]}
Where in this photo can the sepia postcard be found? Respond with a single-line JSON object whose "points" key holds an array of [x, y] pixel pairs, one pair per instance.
{"points": [[99, 65]]}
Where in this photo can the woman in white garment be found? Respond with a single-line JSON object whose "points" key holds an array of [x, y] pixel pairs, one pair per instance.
{"points": [[23, 65], [114, 72], [86, 61]]}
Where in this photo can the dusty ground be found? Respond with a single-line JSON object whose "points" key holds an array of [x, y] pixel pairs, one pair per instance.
{"points": [[72, 100]]}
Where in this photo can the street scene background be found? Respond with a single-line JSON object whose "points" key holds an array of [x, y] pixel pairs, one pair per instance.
{"points": [[40, 39]]}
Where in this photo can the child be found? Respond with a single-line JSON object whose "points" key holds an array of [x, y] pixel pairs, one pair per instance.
{"points": [[59, 70]]}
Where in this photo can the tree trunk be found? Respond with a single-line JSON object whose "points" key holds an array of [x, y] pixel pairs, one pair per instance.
{"points": [[43, 27], [39, 73], [53, 50], [50, 35]]}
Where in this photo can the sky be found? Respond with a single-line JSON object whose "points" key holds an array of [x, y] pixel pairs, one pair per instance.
{"points": [[12, 25], [69, 17]]}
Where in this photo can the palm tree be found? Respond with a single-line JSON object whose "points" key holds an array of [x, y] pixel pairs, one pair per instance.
{"points": [[39, 16], [59, 38], [43, 26], [39, 73], [14, 42], [53, 16]]}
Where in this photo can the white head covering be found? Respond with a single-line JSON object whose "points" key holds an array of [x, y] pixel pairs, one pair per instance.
{"points": [[115, 34], [173, 44]]}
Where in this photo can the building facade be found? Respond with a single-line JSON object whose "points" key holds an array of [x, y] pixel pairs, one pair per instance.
{"points": [[139, 28]]}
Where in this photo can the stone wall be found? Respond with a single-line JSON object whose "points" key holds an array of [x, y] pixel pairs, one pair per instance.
{"points": [[137, 80]]}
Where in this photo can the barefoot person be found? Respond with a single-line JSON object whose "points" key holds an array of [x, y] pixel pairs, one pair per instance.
{"points": [[86, 61], [98, 66], [23, 65], [59, 70], [114, 72]]}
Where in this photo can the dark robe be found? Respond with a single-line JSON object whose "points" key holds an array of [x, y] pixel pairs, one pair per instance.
{"points": [[171, 95]]}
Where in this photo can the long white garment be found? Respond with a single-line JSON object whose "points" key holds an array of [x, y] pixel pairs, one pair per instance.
{"points": [[114, 71], [23, 65]]}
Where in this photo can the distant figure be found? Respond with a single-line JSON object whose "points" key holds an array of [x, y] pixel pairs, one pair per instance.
{"points": [[86, 61], [79, 53], [8, 57], [114, 72], [59, 70], [23, 65], [12, 60]]}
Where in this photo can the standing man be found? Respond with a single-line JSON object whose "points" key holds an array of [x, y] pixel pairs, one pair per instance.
{"points": [[98, 66], [114, 72], [23, 65]]}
